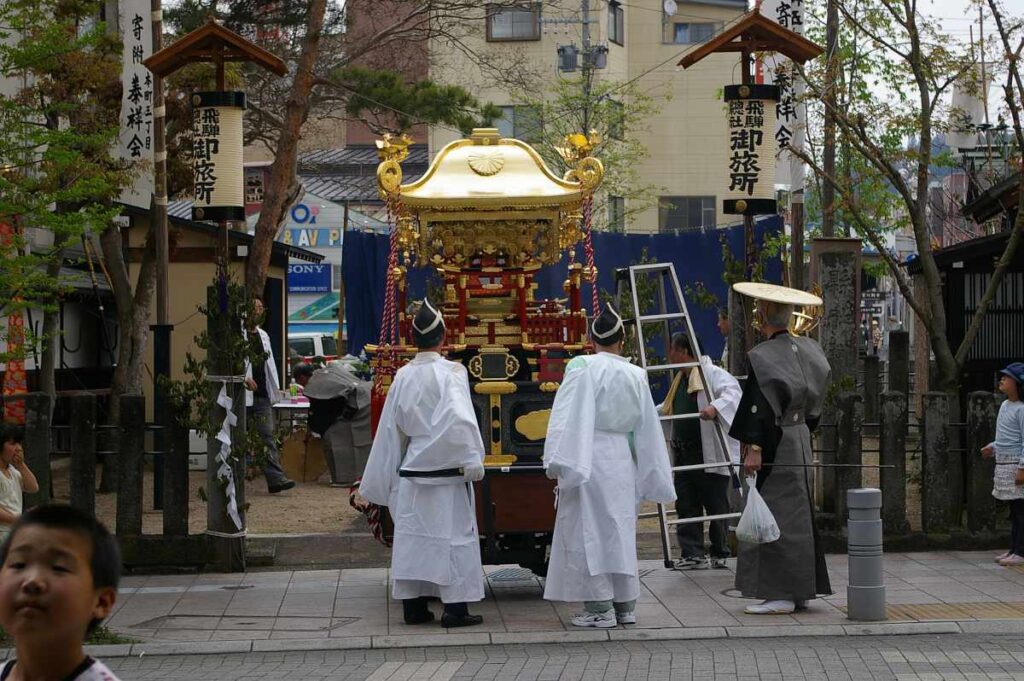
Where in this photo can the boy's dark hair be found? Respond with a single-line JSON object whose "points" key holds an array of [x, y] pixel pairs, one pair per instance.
{"points": [[680, 341], [105, 563], [10, 432]]}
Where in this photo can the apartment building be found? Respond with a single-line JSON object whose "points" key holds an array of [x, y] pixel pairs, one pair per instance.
{"points": [[638, 41]]}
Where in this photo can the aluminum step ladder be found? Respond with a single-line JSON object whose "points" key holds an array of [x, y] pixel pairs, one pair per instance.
{"points": [[663, 272]]}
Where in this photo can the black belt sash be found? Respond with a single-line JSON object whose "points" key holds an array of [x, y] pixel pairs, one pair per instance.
{"points": [[443, 473]]}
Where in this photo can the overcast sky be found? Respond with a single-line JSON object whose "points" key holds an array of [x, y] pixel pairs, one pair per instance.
{"points": [[958, 16]]}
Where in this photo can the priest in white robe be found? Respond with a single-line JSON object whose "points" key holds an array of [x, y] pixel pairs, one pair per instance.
{"points": [[426, 454], [606, 448]]}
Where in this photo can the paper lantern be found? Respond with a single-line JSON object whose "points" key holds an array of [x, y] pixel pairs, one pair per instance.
{"points": [[218, 176], [751, 149]]}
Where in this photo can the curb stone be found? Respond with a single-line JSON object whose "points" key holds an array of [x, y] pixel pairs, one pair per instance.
{"points": [[687, 634], [513, 638], [890, 628], [297, 644], [190, 647], [431, 640], [993, 627]]}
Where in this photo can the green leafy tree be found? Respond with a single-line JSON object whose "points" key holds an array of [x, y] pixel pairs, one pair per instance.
{"points": [[616, 112], [898, 91], [58, 123], [388, 104]]}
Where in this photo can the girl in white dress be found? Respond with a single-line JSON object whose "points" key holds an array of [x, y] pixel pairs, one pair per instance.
{"points": [[1008, 450]]}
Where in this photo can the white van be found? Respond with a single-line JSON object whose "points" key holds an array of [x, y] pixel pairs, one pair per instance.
{"points": [[310, 344]]}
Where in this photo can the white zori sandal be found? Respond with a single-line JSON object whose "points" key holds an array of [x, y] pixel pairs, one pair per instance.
{"points": [[771, 608]]}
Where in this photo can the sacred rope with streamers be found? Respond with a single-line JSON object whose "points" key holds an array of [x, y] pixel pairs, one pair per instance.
{"points": [[225, 473], [588, 250], [388, 330]]}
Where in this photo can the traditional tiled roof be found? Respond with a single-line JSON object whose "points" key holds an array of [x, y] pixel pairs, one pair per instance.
{"points": [[350, 174]]}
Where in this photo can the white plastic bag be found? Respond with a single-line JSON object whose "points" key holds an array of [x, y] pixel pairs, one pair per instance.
{"points": [[757, 524]]}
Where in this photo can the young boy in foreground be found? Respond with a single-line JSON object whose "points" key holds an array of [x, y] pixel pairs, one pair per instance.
{"points": [[58, 580]]}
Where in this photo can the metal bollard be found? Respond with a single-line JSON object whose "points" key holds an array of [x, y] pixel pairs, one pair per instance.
{"points": [[865, 593]]}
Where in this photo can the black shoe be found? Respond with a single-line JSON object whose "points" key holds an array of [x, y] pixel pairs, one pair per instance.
{"points": [[419, 618], [286, 485], [450, 621]]}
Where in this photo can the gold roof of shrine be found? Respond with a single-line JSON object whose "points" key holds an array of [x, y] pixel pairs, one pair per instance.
{"points": [[487, 172]]}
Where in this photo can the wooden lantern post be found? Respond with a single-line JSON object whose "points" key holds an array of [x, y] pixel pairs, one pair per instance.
{"points": [[218, 118], [751, 34]]}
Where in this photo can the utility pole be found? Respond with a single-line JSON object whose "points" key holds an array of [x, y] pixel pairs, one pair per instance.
{"points": [[828, 194], [158, 218], [587, 64]]}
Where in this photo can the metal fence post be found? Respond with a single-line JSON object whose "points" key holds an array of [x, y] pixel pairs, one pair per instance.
{"points": [[131, 455], [37, 445], [892, 451], [83, 453], [865, 592], [935, 462], [848, 447], [982, 408]]}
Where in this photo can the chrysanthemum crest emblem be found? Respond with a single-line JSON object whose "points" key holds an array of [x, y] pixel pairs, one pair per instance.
{"points": [[486, 162]]}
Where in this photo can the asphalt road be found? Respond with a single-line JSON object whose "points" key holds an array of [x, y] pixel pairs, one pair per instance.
{"points": [[790, 659]]}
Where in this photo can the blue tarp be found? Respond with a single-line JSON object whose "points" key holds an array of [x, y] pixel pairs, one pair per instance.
{"points": [[697, 257]]}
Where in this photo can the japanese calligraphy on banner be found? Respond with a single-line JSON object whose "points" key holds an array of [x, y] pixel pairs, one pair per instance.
{"points": [[135, 141], [790, 112], [751, 150], [218, 176]]}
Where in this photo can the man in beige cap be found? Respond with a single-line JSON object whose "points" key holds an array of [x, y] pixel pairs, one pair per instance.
{"points": [[781, 403]]}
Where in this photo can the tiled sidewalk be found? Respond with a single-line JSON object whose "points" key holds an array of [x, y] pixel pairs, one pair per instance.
{"points": [[353, 608]]}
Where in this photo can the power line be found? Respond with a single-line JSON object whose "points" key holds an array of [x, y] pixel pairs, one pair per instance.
{"points": [[657, 66], [566, 113]]}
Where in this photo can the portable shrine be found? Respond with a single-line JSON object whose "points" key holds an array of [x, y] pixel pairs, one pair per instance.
{"points": [[487, 216]]}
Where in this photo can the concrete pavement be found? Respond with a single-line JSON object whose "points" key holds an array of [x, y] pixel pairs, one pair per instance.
{"points": [[935, 592], [864, 658]]}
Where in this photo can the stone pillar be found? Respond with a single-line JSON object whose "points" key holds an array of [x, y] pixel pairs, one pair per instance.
{"points": [[835, 266], [740, 318], [892, 451], [132, 456], [982, 507], [898, 370], [83, 453], [935, 462], [175, 482], [872, 390], [848, 446], [37, 446]]}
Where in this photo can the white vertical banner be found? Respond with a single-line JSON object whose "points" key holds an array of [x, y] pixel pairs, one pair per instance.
{"points": [[790, 111], [135, 141]]}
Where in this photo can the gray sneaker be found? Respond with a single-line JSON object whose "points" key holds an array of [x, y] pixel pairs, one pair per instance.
{"points": [[718, 564], [692, 564]]}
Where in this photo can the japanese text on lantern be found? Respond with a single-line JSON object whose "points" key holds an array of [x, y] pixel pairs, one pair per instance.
{"points": [[746, 137], [206, 147]]}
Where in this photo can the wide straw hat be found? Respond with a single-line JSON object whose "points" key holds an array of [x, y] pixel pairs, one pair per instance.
{"points": [[776, 294]]}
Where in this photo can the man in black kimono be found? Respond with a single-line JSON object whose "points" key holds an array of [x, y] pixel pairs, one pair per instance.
{"points": [[781, 404]]}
